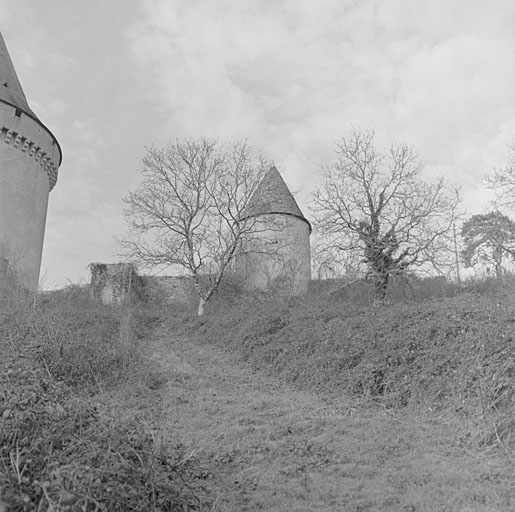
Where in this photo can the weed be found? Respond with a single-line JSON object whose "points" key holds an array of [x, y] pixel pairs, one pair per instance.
{"points": [[448, 354], [57, 452]]}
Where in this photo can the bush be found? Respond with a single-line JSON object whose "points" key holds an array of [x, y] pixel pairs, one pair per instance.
{"points": [[404, 288], [453, 354], [57, 452]]}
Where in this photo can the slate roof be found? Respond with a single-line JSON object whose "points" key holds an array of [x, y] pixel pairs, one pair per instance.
{"points": [[11, 91], [10, 88], [273, 196]]}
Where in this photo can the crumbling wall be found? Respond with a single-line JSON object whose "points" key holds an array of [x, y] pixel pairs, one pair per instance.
{"points": [[113, 283]]}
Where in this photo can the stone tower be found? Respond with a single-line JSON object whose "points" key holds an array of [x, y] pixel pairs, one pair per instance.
{"points": [[277, 254], [29, 159]]}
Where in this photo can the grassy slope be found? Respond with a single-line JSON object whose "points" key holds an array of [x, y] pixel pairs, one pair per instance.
{"points": [[62, 358], [449, 362], [405, 407], [266, 446], [455, 355]]}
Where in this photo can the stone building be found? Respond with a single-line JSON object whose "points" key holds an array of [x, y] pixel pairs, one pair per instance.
{"points": [[274, 255], [277, 253], [29, 160]]}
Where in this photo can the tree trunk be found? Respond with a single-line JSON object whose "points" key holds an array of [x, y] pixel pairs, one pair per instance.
{"points": [[201, 306], [380, 287]]}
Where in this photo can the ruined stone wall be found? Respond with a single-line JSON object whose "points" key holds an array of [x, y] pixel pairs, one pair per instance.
{"points": [[113, 283]]}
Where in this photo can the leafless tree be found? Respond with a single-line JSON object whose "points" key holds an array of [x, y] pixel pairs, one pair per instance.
{"points": [[503, 181], [329, 262], [188, 208], [377, 204]]}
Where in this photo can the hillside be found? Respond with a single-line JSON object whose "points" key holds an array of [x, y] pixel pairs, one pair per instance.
{"points": [[261, 405], [447, 354]]}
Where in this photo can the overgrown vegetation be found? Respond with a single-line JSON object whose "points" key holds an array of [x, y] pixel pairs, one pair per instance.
{"points": [[454, 356], [447, 351], [58, 451]]}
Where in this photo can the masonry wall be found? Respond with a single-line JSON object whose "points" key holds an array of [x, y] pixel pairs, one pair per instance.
{"points": [[277, 257], [29, 159], [114, 283]]}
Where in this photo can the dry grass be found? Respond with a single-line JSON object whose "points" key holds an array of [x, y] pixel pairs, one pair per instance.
{"points": [[354, 407], [452, 355], [58, 451], [267, 446]]}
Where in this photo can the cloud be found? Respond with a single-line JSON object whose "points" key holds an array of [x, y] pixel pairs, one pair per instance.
{"points": [[6, 15], [289, 76], [293, 76]]}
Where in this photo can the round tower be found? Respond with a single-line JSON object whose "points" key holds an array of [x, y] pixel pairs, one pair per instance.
{"points": [[276, 254], [29, 160]]}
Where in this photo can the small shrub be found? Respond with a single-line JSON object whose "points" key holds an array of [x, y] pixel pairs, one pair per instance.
{"points": [[57, 453], [452, 354]]}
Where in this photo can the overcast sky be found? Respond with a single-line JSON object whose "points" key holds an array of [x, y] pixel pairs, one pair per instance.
{"points": [[109, 77]]}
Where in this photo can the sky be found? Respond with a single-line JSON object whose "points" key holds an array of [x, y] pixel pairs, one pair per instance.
{"points": [[111, 77]]}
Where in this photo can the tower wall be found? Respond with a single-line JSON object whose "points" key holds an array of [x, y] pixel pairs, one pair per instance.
{"points": [[277, 256], [29, 160]]}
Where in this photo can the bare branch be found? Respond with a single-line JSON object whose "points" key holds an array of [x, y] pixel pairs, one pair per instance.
{"points": [[378, 204], [188, 208], [503, 181]]}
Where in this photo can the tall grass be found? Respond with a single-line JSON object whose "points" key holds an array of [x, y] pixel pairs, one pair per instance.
{"points": [[57, 451], [81, 342], [451, 355]]}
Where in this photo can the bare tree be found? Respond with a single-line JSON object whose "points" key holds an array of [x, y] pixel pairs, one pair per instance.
{"points": [[489, 239], [378, 204], [329, 262], [503, 181], [188, 208]]}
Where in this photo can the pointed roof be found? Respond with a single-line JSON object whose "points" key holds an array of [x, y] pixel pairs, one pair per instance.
{"points": [[12, 93], [10, 88], [272, 195]]}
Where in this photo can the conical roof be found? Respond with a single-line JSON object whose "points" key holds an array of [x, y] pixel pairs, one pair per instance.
{"points": [[10, 88], [272, 196], [12, 93]]}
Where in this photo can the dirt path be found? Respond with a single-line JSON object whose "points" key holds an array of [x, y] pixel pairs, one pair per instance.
{"points": [[270, 448]]}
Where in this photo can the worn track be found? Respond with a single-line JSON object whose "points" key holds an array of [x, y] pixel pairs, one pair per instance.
{"points": [[268, 447]]}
